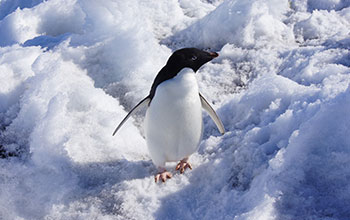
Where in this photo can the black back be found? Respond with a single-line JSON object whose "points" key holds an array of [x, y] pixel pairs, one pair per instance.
{"points": [[187, 57]]}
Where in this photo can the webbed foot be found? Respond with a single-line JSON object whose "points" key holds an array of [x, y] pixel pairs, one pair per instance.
{"points": [[163, 175], [183, 165]]}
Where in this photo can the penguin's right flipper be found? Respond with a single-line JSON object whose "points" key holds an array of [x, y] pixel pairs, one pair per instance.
{"points": [[141, 104], [212, 114]]}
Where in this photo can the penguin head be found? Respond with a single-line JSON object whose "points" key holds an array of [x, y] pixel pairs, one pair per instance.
{"points": [[191, 58], [184, 58]]}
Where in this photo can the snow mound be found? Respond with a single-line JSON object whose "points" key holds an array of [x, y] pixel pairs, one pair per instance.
{"points": [[243, 23], [324, 25], [70, 70], [22, 25], [315, 163]]}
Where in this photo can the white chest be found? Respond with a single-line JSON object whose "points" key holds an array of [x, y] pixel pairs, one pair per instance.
{"points": [[173, 123], [184, 85]]}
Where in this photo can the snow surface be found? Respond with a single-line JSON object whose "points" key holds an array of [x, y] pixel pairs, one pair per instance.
{"points": [[71, 69]]}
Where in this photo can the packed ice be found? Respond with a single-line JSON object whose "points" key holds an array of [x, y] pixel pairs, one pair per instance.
{"points": [[70, 70]]}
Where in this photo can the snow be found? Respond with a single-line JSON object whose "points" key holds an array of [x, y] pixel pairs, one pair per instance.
{"points": [[70, 71], [243, 23]]}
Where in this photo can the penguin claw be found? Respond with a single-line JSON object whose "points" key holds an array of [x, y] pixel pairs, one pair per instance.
{"points": [[183, 165], [162, 176]]}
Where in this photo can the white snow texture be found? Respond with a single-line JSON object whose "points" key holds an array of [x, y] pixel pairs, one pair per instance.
{"points": [[71, 69]]}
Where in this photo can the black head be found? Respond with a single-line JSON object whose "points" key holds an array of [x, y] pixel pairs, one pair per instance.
{"points": [[187, 57], [190, 57]]}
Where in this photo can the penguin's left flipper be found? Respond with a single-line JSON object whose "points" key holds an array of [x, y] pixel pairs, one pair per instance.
{"points": [[141, 104], [212, 113]]}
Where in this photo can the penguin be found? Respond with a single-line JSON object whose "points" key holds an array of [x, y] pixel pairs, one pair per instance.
{"points": [[173, 123]]}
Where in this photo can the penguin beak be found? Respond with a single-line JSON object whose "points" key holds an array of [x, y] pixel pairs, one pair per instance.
{"points": [[213, 54]]}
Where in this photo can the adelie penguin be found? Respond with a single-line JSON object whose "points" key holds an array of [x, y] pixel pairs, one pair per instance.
{"points": [[173, 123]]}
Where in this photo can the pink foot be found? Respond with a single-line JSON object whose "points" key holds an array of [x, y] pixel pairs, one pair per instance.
{"points": [[164, 175], [183, 165]]}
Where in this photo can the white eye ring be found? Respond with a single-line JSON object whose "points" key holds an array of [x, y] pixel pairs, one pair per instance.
{"points": [[193, 57]]}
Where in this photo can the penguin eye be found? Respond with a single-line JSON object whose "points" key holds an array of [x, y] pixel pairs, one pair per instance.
{"points": [[194, 57]]}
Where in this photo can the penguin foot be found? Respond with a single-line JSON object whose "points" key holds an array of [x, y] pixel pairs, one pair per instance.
{"points": [[183, 165], [164, 175]]}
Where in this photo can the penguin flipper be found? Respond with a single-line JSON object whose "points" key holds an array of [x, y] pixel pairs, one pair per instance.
{"points": [[141, 104], [212, 113]]}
